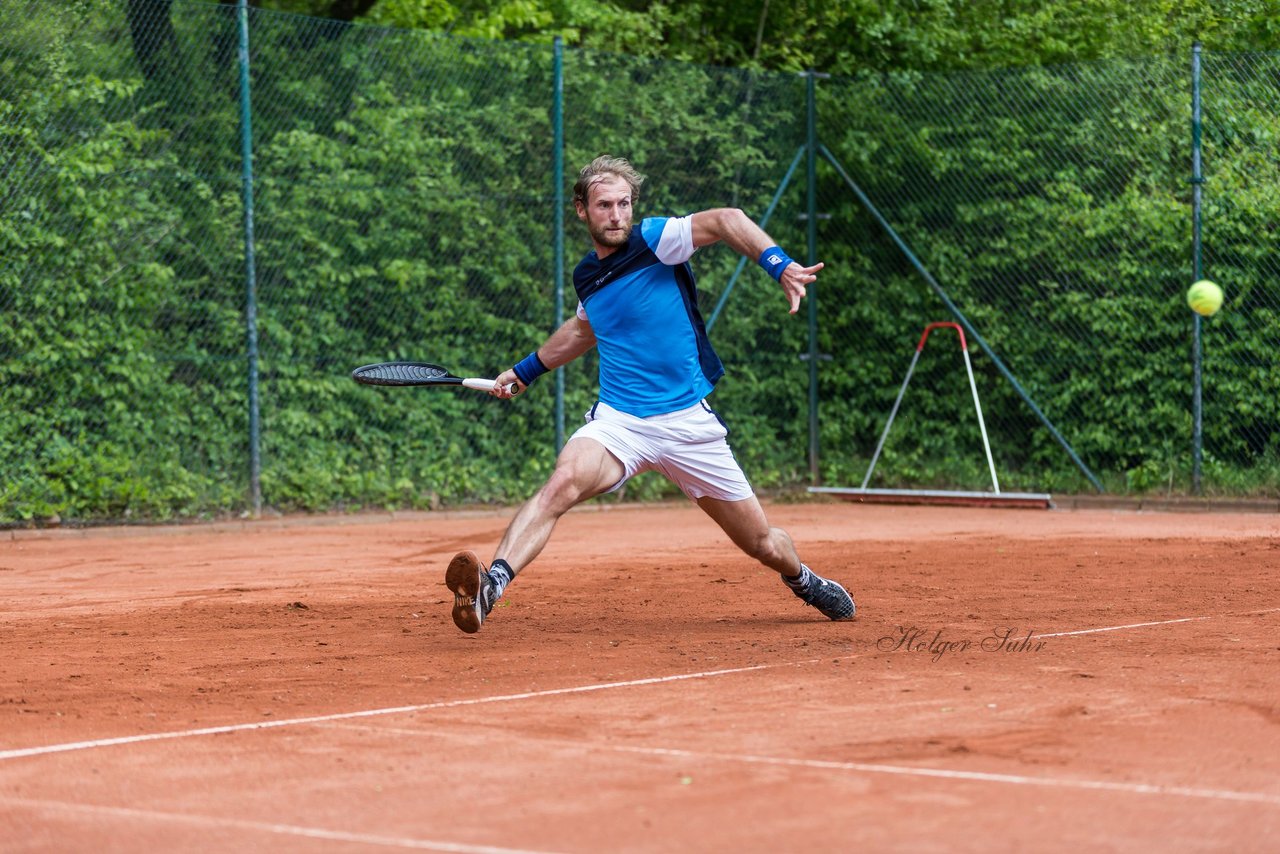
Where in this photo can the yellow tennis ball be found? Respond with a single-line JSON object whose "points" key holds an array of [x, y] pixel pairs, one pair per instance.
{"points": [[1204, 297]]}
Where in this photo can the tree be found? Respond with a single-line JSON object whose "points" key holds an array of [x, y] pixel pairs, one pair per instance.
{"points": [[840, 36], [338, 10], [151, 32]]}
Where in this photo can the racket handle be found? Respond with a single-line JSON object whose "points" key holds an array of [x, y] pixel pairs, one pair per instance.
{"points": [[487, 385]]}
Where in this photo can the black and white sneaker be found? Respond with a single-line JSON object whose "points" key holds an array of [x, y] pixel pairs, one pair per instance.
{"points": [[831, 600], [473, 591]]}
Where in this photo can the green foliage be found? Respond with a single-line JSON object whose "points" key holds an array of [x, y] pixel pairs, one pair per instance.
{"points": [[404, 209], [854, 36], [1053, 206]]}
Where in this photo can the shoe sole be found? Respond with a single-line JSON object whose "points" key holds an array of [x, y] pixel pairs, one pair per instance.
{"points": [[463, 578]]}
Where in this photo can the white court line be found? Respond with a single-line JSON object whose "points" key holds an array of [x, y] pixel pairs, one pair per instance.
{"points": [[977, 776], [870, 768], [1157, 623], [502, 698], [446, 704], [265, 827]]}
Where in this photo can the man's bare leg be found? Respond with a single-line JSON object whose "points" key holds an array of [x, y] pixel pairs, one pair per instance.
{"points": [[584, 470], [745, 523]]}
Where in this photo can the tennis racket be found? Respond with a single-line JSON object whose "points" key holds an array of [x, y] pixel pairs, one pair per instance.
{"points": [[419, 373]]}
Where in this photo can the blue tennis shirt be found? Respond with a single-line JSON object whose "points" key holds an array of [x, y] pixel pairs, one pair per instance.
{"points": [[641, 302]]}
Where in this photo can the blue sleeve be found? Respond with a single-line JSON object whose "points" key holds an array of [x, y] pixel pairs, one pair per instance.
{"points": [[651, 230]]}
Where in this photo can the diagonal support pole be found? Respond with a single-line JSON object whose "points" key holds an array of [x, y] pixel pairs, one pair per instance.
{"points": [[742, 262], [959, 315]]}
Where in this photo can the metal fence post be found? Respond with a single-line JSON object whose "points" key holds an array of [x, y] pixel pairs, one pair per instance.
{"points": [[811, 171], [1197, 184], [557, 119], [251, 284]]}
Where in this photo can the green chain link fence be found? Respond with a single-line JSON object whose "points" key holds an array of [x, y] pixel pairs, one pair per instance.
{"points": [[406, 205]]}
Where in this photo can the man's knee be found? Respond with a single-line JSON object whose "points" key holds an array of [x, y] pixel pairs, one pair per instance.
{"points": [[765, 546], [576, 478], [771, 547], [560, 493]]}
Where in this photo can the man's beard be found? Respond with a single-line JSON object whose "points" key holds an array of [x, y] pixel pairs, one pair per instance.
{"points": [[612, 240]]}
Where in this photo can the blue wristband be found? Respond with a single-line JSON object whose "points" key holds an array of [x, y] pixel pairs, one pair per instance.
{"points": [[530, 368], [774, 261]]}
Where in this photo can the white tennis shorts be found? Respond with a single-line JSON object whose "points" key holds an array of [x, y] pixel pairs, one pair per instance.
{"points": [[688, 447]]}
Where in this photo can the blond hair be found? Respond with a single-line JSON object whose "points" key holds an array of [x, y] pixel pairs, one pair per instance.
{"points": [[602, 168]]}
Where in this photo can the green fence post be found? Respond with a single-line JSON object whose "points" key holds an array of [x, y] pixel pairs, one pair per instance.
{"points": [[811, 172], [1197, 183], [557, 120], [251, 284]]}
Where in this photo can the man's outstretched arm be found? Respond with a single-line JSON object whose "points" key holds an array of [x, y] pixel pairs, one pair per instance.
{"points": [[571, 340], [742, 235]]}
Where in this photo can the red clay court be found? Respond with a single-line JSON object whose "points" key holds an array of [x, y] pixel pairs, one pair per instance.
{"points": [[1015, 680]]}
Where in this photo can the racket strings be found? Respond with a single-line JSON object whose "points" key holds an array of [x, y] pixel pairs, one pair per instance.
{"points": [[397, 373]]}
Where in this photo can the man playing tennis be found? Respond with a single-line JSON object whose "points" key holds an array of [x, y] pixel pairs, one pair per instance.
{"points": [[637, 306]]}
